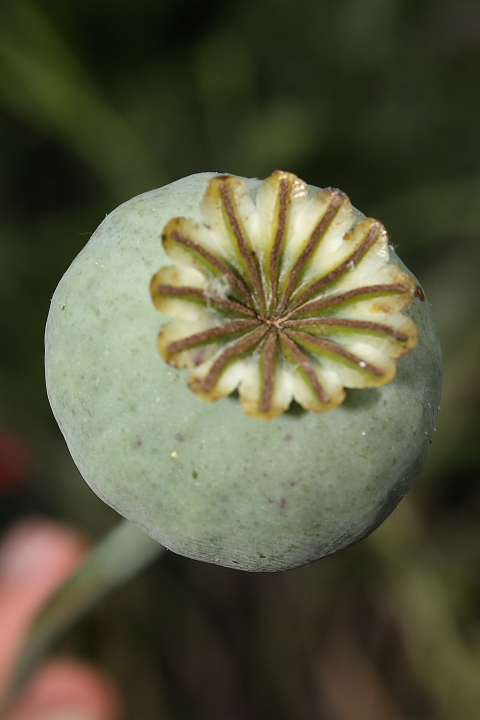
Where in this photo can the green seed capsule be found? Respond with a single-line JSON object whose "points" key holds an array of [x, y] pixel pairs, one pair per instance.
{"points": [[275, 303]]}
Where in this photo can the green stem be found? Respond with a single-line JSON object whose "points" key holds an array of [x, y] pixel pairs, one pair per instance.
{"points": [[120, 555]]}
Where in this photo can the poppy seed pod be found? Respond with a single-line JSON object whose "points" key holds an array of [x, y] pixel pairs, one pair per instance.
{"points": [[245, 370]]}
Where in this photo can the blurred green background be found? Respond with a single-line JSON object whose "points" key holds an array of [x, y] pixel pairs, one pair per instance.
{"points": [[103, 99]]}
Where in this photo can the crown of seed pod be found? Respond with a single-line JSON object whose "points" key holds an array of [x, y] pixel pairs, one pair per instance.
{"points": [[291, 297], [281, 296]]}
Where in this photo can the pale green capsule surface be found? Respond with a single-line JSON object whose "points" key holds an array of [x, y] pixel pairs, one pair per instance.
{"points": [[205, 479]]}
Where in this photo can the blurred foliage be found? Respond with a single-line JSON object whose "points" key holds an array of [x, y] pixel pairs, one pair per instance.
{"points": [[103, 99]]}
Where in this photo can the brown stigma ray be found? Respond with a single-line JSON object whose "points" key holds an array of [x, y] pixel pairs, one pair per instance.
{"points": [[207, 298], [331, 347], [283, 203], [242, 244], [305, 364], [238, 348], [344, 267], [346, 323], [210, 335], [337, 200], [260, 326], [268, 371], [360, 293], [221, 268]]}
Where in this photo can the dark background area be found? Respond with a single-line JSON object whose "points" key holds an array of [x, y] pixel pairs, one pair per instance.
{"points": [[103, 99]]}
